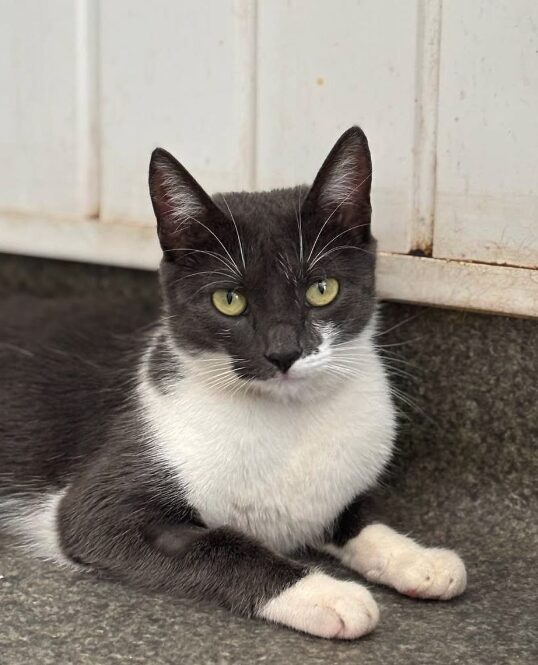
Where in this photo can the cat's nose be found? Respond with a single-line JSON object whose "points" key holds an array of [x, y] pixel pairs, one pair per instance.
{"points": [[284, 359], [283, 345]]}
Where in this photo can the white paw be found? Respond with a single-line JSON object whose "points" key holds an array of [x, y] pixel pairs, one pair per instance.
{"points": [[325, 607], [385, 556]]}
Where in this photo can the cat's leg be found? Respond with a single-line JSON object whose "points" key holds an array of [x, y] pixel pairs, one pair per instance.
{"points": [[119, 537], [385, 556]]}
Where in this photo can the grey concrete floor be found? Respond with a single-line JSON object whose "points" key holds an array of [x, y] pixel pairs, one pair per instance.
{"points": [[465, 476]]}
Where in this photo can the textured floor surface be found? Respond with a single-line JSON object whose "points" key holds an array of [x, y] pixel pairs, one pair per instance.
{"points": [[465, 476]]}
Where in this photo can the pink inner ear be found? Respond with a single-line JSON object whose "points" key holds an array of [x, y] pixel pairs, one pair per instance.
{"points": [[178, 200], [344, 180], [173, 197]]}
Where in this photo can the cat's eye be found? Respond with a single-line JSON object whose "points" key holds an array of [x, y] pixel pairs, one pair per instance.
{"points": [[229, 302], [322, 292]]}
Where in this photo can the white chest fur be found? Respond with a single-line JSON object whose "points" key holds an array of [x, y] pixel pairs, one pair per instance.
{"points": [[280, 471]]}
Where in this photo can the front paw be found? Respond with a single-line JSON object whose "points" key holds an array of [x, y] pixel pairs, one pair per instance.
{"points": [[431, 573], [326, 607], [386, 557]]}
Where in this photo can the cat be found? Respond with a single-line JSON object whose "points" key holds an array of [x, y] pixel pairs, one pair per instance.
{"points": [[194, 452]]}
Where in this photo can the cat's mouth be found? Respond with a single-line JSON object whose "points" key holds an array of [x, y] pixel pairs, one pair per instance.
{"points": [[288, 377], [296, 378], [239, 375], [277, 379], [300, 373]]}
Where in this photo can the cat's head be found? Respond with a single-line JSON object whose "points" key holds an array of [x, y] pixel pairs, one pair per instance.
{"points": [[269, 291]]}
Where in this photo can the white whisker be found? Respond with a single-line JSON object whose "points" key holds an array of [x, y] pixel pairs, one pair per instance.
{"points": [[215, 255], [236, 231], [299, 220], [397, 325], [335, 211], [337, 249], [357, 226], [230, 257], [207, 272], [206, 286]]}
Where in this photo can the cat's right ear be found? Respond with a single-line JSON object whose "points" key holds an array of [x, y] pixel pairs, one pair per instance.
{"points": [[178, 201], [341, 190]]}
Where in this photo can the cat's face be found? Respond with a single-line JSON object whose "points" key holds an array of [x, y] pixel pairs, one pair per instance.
{"points": [[269, 291]]}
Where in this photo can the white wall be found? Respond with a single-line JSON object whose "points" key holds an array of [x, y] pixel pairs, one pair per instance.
{"points": [[48, 108], [175, 74], [487, 173], [252, 94]]}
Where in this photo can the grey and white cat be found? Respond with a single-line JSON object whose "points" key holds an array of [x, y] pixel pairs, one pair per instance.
{"points": [[194, 453]]}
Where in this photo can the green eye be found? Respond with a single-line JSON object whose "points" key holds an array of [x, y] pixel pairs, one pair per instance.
{"points": [[322, 292], [229, 302]]}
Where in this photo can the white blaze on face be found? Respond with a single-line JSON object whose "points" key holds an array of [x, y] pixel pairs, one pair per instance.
{"points": [[331, 365], [319, 358]]}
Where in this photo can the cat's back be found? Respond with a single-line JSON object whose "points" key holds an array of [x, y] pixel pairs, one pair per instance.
{"points": [[66, 368]]}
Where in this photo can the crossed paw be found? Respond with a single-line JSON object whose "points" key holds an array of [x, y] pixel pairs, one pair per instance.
{"points": [[324, 606], [386, 557]]}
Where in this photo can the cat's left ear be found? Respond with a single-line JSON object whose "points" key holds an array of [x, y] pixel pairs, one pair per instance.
{"points": [[342, 186], [181, 206]]}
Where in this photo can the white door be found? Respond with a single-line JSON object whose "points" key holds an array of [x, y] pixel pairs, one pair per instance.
{"points": [[325, 66], [251, 94], [176, 74], [487, 165], [48, 108]]}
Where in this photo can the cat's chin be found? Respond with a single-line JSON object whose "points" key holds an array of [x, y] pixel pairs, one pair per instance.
{"points": [[298, 387]]}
